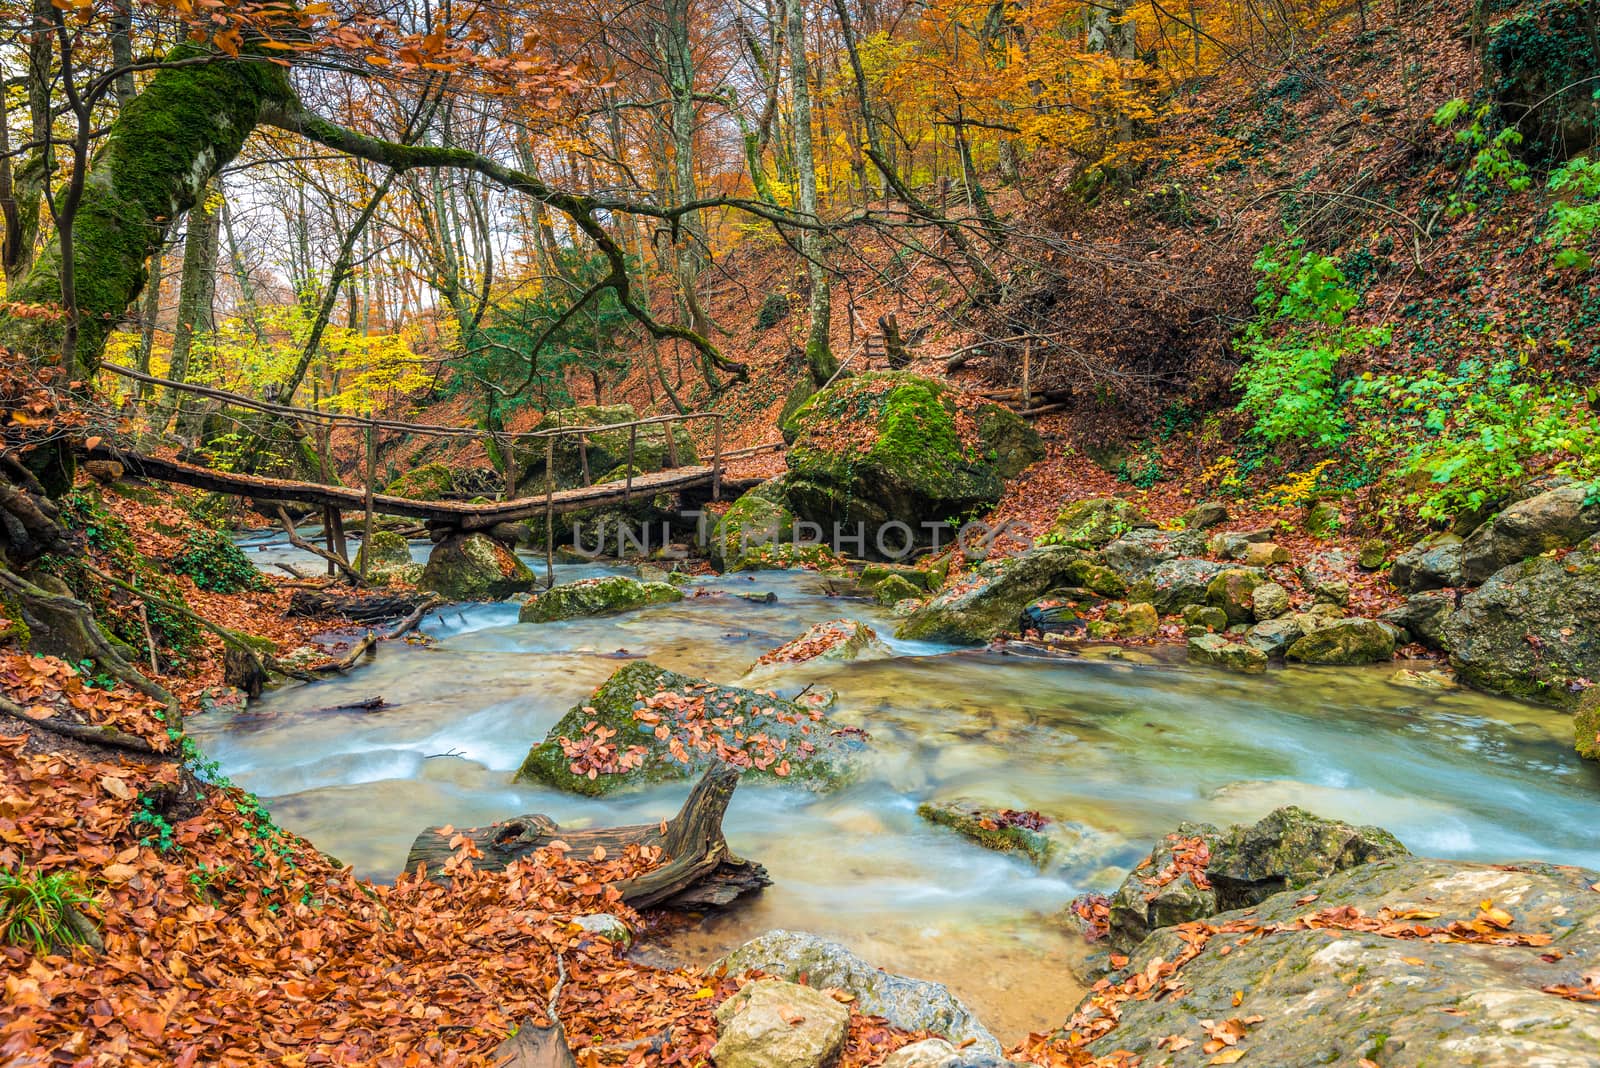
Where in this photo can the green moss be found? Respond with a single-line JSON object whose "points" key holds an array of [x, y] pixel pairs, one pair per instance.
{"points": [[1586, 724], [605, 596], [430, 482]]}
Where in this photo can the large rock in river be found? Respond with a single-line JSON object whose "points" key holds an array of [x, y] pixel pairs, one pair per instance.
{"points": [[1551, 520], [834, 641], [1530, 629], [1197, 871], [757, 518], [646, 725], [895, 446], [775, 1024], [607, 595], [1355, 973], [989, 602], [474, 567], [909, 1004]]}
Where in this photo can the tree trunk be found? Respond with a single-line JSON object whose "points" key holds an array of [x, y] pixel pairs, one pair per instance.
{"points": [[196, 286], [697, 870], [162, 150], [819, 354]]}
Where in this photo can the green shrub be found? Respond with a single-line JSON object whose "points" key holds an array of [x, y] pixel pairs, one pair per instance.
{"points": [[774, 310], [1294, 344], [216, 564], [1576, 216], [36, 910], [1478, 431]]}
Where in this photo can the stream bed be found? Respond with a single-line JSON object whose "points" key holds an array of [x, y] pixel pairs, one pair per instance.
{"points": [[1122, 743]]}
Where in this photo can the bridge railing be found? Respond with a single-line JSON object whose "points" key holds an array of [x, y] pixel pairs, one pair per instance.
{"points": [[506, 441]]}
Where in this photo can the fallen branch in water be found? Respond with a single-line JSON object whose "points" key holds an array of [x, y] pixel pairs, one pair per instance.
{"points": [[414, 618], [348, 661], [366, 704]]}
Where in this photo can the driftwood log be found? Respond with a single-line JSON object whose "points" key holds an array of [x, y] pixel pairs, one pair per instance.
{"points": [[698, 870], [368, 609]]}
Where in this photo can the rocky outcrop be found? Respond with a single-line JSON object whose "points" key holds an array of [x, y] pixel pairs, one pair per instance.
{"points": [[1198, 871], [474, 567], [909, 1004], [1135, 554], [647, 725], [1528, 630], [1586, 724], [1345, 642], [989, 602], [1554, 519], [1380, 989], [608, 595], [893, 446], [774, 1024]]}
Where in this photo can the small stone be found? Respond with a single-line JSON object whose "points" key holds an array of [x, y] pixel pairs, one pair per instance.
{"points": [[1264, 554], [1323, 519], [1102, 629], [773, 1024], [1200, 615], [1205, 515], [1274, 636], [893, 589], [1269, 601], [1231, 591], [1232, 544], [1139, 620], [604, 925], [1372, 554], [1424, 680]]}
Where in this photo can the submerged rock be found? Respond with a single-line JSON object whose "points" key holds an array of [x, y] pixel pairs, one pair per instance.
{"points": [[773, 1024], [1321, 996], [646, 725], [474, 567], [937, 1053], [1554, 519], [1003, 830], [909, 1004], [1529, 630], [835, 641], [978, 607], [607, 595], [1344, 642]]}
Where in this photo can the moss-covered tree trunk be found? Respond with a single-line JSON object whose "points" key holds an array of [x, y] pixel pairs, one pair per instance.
{"points": [[196, 288], [161, 151], [819, 354]]}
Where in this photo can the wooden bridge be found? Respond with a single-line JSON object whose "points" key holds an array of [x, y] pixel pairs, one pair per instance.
{"points": [[456, 514]]}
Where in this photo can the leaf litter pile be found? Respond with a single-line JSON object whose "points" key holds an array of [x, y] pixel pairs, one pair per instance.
{"points": [[229, 941]]}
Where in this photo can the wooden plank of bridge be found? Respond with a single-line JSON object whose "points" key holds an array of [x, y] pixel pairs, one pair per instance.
{"points": [[633, 440], [549, 512]]}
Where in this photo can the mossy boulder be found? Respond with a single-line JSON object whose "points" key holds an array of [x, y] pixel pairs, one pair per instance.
{"points": [[786, 556], [1094, 523], [1274, 636], [1268, 600], [607, 595], [647, 725], [429, 482], [1344, 642], [893, 446], [389, 555], [605, 449], [1554, 519], [1528, 630], [1136, 620], [1432, 563], [894, 589], [1233, 591], [872, 574], [990, 601], [1285, 850], [474, 567], [1586, 724], [1002, 830], [752, 521], [1214, 650]]}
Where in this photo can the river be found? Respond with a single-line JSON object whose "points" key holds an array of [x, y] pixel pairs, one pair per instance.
{"points": [[1119, 744]]}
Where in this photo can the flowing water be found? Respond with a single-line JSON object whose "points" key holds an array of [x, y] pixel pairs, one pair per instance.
{"points": [[1119, 745]]}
